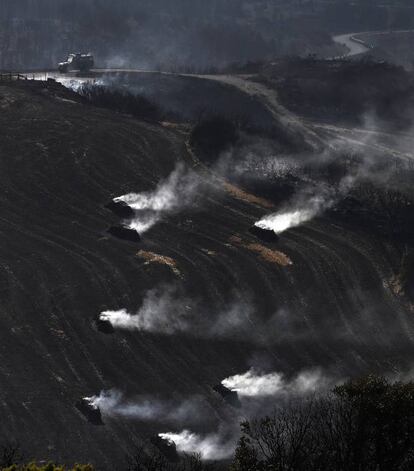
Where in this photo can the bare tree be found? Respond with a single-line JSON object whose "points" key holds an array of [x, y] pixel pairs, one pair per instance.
{"points": [[366, 425]]}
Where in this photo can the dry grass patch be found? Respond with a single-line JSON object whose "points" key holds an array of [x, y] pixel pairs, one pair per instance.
{"points": [[396, 287], [151, 257], [248, 197], [233, 190], [266, 254]]}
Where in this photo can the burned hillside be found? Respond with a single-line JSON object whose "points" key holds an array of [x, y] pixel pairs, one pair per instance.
{"points": [[157, 322]]}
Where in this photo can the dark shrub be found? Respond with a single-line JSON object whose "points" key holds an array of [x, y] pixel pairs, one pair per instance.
{"points": [[10, 454]]}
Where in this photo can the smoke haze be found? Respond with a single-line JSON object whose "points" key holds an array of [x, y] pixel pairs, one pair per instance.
{"points": [[113, 403]]}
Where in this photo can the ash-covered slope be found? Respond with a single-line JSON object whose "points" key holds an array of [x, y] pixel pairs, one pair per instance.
{"points": [[316, 298]]}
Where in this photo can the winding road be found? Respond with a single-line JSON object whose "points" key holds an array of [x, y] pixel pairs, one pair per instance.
{"points": [[354, 45]]}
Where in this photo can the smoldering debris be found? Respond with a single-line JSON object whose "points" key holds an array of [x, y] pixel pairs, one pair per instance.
{"points": [[229, 396], [125, 233], [121, 209], [176, 192], [264, 234], [104, 326], [90, 410]]}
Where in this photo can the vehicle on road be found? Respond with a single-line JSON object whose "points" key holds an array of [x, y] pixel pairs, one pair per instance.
{"points": [[79, 61]]}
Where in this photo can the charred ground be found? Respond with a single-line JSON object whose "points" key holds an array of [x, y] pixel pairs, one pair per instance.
{"points": [[324, 291]]}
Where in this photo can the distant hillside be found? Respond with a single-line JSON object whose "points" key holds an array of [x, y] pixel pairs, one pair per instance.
{"points": [[165, 34]]}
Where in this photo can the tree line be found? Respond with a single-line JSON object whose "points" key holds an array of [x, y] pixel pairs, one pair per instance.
{"points": [[361, 425]]}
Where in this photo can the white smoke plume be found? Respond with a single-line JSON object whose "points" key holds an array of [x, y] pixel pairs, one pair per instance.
{"points": [[170, 195], [318, 192], [281, 222], [254, 384], [161, 312], [209, 447], [307, 206], [113, 403], [166, 311]]}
